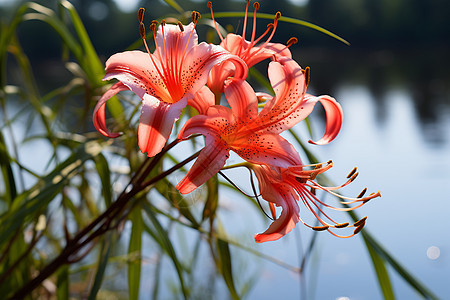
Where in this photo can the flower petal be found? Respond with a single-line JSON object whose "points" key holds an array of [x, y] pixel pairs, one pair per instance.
{"points": [[275, 191], [156, 122], [334, 114], [99, 110], [176, 42], [210, 160], [201, 59], [266, 148], [288, 81], [202, 100], [242, 99], [136, 70], [287, 220]]}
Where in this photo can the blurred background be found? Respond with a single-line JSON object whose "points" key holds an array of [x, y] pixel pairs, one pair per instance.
{"points": [[393, 82]]}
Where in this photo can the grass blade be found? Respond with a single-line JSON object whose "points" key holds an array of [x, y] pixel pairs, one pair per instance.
{"points": [[134, 252]]}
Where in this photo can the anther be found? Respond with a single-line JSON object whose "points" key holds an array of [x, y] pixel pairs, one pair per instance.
{"points": [[341, 225], [256, 5], [180, 26], [306, 72], [291, 41], [359, 222], [358, 229], [163, 22], [209, 4], [195, 15], [320, 228], [141, 14], [351, 173], [142, 30], [354, 176], [330, 162], [362, 193], [278, 15]]}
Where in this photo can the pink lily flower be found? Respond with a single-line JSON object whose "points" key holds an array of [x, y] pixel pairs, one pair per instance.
{"points": [[283, 187], [166, 80], [252, 52], [254, 135]]}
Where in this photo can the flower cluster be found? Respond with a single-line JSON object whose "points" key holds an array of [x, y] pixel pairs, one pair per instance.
{"points": [[182, 72]]}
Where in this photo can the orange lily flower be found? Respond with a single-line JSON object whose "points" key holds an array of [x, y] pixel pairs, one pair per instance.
{"points": [[284, 186], [166, 80], [254, 135]]}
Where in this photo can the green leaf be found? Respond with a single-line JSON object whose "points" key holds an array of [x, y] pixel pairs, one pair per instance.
{"points": [[212, 199], [381, 271], [62, 283], [175, 6], [32, 202], [102, 263], [134, 252], [105, 176], [282, 19], [162, 238], [8, 176], [223, 250]]}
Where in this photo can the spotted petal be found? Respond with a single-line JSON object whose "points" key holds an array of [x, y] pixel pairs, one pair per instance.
{"points": [[210, 160], [99, 110], [156, 122]]}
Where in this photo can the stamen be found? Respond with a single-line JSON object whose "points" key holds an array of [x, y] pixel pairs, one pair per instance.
{"points": [[163, 22], [180, 26], [209, 4], [141, 14], [359, 222], [362, 193], [195, 16], [142, 30], [320, 228], [352, 172], [358, 229], [291, 41], [307, 73], [341, 225], [256, 7], [354, 176]]}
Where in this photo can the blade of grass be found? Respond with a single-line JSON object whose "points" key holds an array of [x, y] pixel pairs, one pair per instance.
{"points": [[102, 263], [134, 251], [166, 244], [282, 19], [225, 266]]}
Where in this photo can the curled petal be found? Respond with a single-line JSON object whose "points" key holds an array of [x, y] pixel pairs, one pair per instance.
{"points": [[260, 53], [99, 110], [202, 100], [156, 122], [334, 116], [201, 59], [218, 75], [210, 160], [287, 220]]}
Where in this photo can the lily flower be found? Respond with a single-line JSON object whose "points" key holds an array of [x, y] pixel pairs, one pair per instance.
{"points": [[283, 187], [166, 80], [254, 135], [252, 52]]}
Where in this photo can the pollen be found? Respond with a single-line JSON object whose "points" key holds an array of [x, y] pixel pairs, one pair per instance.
{"points": [[359, 222], [320, 228], [195, 15]]}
